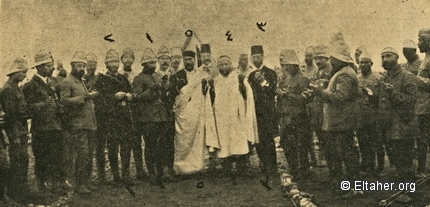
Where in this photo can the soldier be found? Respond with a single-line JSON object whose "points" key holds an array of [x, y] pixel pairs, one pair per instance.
{"points": [[114, 109], [15, 106], [422, 108], [413, 60], [80, 122], [151, 113], [294, 119], [48, 141], [263, 82], [127, 59]]}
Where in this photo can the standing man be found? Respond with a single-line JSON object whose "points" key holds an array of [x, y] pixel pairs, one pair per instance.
{"points": [[114, 111], [370, 141], [422, 108], [263, 82], [244, 68], [176, 59], [413, 60], [308, 66], [45, 110], [90, 78], [207, 68], [81, 122], [127, 59], [294, 119], [339, 105], [15, 106], [151, 114]]}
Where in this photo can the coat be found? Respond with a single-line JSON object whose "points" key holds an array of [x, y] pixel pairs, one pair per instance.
{"points": [[422, 106], [292, 104], [367, 111], [264, 96], [397, 108], [79, 113], [340, 101], [316, 107], [150, 106], [45, 117], [16, 109], [89, 81]]}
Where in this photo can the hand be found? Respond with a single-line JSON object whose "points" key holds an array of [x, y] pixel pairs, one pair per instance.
{"points": [[241, 78], [367, 91], [388, 87], [316, 88], [259, 77], [129, 96], [322, 82], [307, 93], [120, 95]]}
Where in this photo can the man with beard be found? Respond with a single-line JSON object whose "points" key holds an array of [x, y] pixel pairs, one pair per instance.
{"points": [[43, 101], [151, 114], [413, 60], [339, 105], [207, 68], [194, 119], [90, 78], [294, 119], [234, 108], [127, 59], [80, 120], [176, 59], [244, 68], [263, 82], [422, 108], [308, 66], [370, 142], [113, 109]]}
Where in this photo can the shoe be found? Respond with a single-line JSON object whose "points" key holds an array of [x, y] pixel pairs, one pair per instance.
{"points": [[82, 190]]}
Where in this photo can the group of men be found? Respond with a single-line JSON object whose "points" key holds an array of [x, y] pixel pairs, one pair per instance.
{"points": [[189, 115]]}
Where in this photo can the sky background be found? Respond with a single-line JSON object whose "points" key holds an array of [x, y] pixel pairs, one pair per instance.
{"points": [[64, 27]]}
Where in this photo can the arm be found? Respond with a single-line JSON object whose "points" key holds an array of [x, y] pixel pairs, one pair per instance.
{"points": [[140, 93], [407, 94], [423, 80], [344, 91], [297, 97], [34, 104], [66, 95]]}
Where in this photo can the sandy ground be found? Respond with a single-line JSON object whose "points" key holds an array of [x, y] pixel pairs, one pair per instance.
{"points": [[221, 192]]}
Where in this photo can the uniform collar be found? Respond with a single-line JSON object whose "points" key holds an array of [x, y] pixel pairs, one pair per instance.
{"points": [[395, 72], [44, 79]]}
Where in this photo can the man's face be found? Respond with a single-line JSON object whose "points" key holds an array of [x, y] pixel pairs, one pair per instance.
{"points": [[423, 45], [257, 60], [309, 58], [243, 61], [20, 76], [127, 60], [91, 67], [224, 66], [357, 56], [289, 69], [176, 60], [112, 66], [150, 67], [206, 58], [365, 65], [164, 62], [410, 54], [321, 61], [45, 69], [389, 60], [78, 69], [189, 63]]}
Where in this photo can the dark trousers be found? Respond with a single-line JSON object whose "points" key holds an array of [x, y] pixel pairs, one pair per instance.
{"points": [[4, 168], [77, 155], [97, 144], [153, 134], [266, 147], [423, 141], [371, 147], [400, 153], [340, 149], [132, 143], [295, 142], [18, 154], [47, 149], [169, 144]]}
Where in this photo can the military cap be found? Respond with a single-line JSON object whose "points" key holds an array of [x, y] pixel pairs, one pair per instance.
{"points": [[163, 50], [425, 32], [339, 49], [19, 65], [148, 56], [310, 50], [321, 51], [409, 44], [111, 55], [389, 50], [365, 55], [42, 57], [288, 57], [91, 57], [79, 57], [176, 51]]}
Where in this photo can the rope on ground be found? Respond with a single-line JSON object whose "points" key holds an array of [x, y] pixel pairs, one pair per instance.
{"points": [[291, 190]]}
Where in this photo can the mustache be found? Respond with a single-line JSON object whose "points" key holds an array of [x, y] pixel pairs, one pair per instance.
{"points": [[165, 63]]}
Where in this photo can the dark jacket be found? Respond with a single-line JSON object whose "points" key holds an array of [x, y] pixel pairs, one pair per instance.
{"points": [[79, 113], [150, 106], [367, 111], [44, 116], [264, 96], [16, 109]]}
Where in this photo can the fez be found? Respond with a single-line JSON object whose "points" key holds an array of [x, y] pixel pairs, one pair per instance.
{"points": [[205, 48], [257, 49]]}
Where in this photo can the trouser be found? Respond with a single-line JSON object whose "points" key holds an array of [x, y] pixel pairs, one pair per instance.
{"points": [[340, 148], [97, 143], [323, 140], [4, 169], [400, 153], [295, 142], [78, 155], [47, 149], [242, 161], [17, 179], [132, 143], [153, 134], [169, 144], [422, 141], [266, 147], [371, 146]]}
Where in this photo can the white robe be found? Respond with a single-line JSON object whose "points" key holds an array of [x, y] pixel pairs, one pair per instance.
{"points": [[235, 117], [195, 127]]}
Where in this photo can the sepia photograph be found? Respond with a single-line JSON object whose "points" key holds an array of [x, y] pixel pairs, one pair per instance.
{"points": [[214, 103]]}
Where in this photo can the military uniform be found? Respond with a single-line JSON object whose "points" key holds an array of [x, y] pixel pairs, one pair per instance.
{"points": [[412, 67]]}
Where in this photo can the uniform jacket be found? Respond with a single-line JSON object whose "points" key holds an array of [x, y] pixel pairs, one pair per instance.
{"points": [[422, 106], [150, 105], [316, 108], [79, 113], [367, 111], [412, 66], [44, 116], [292, 104], [16, 109], [340, 100], [397, 108], [264, 96], [89, 81]]}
